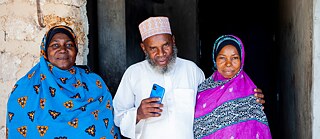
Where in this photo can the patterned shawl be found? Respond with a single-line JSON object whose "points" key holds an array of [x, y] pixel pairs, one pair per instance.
{"points": [[226, 108], [60, 104]]}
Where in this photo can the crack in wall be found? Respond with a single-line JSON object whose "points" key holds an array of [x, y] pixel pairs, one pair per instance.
{"points": [[5, 36]]}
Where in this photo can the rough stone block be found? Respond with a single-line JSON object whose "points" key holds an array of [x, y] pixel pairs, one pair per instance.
{"points": [[20, 29], [2, 132], [76, 3], [5, 1], [2, 36], [9, 66]]}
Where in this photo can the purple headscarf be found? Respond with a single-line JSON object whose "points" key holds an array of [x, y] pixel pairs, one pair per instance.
{"points": [[226, 108]]}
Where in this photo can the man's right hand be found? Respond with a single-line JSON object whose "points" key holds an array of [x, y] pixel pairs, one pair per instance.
{"points": [[149, 108]]}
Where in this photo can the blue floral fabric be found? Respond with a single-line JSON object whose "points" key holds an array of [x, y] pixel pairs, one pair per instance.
{"points": [[60, 104]]}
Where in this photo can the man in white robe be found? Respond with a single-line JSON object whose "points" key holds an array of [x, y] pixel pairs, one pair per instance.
{"points": [[139, 116]]}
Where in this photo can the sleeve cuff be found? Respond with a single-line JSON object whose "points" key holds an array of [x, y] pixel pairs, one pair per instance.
{"points": [[128, 126]]}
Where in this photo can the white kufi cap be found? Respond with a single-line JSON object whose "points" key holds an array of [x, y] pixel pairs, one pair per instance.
{"points": [[154, 26]]}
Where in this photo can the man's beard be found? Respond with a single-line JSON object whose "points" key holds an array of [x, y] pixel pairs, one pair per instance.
{"points": [[168, 67]]}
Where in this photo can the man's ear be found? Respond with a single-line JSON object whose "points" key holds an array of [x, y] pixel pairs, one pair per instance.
{"points": [[173, 40], [143, 47]]}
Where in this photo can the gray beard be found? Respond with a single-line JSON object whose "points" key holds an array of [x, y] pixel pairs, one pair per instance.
{"points": [[168, 67]]}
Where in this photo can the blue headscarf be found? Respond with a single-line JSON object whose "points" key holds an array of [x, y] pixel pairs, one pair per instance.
{"points": [[60, 104]]}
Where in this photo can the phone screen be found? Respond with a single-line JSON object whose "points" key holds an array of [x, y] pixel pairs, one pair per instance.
{"points": [[157, 91]]}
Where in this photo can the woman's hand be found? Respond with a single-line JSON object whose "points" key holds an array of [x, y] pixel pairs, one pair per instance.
{"points": [[259, 95]]}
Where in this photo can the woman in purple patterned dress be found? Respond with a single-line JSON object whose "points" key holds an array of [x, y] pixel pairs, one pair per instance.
{"points": [[226, 107]]}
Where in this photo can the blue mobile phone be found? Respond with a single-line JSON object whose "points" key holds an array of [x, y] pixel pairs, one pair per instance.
{"points": [[157, 91]]}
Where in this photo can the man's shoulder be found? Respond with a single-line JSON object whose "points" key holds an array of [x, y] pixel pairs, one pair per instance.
{"points": [[137, 66], [186, 62]]}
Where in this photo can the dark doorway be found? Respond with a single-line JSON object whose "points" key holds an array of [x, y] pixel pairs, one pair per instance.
{"points": [[254, 22], [182, 15], [93, 35]]}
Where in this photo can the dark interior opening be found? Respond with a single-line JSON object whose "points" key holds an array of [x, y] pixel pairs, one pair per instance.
{"points": [[93, 35]]}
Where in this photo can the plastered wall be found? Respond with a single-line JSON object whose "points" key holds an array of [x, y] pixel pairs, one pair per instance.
{"points": [[295, 63], [21, 34], [316, 74]]}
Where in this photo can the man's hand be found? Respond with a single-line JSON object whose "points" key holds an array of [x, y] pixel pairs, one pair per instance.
{"points": [[259, 95], [149, 108]]}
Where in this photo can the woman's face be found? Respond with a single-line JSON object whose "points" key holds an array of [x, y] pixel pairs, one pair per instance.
{"points": [[228, 61], [62, 51]]}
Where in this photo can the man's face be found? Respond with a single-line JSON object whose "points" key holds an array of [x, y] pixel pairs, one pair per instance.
{"points": [[62, 51], [159, 50]]}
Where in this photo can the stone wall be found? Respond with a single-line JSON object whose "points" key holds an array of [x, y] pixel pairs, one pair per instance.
{"points": [[21, 34]]}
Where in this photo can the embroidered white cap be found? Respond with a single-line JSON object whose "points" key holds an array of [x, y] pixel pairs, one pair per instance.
{"points": [[154, 26]]}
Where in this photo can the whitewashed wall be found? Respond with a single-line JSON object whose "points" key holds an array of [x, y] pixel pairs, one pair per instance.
{"points": [[316, 68], [20, 38]]}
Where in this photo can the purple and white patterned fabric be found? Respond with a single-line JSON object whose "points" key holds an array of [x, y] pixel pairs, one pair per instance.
{"points": [[227, 108]]}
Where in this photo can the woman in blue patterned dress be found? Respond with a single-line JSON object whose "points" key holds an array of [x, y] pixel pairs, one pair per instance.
{"points": [[57, 99]]}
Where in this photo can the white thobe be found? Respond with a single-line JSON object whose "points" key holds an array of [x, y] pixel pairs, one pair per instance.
{"points": [[176, 120]]}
